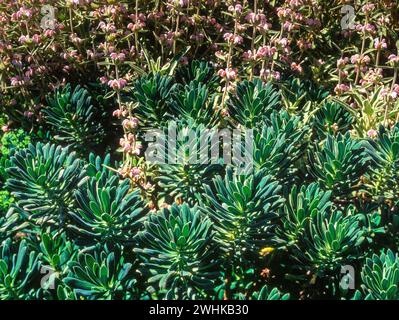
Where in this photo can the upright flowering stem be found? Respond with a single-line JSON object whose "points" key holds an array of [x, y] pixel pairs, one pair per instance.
{"points": [[361, 52], [377, 59], [228, 63], [118, 95], [279, 38], [253, 36], [176, 31], [70, 19], [254, 26], [136, 34]]}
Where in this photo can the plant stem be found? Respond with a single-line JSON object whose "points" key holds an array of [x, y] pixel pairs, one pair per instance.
{"points": [[253, 36], [70, 20]]}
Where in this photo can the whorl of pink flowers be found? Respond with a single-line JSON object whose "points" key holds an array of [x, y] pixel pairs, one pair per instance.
{"points": [[237, 9], [342, 62], [341, 88], [231, 38], [360, 59], [380, 44], [117, 84], [228, 73], [393, 59], [367, 28], [255, 18], [118, 56], [267, 74], [128, 144], [367, 8], [372, 133], [22, 14], [119, 113], [130, 123]]}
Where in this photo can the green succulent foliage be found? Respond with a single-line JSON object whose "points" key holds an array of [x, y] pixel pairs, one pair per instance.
{"points": [[17, 271], [184, 178], [302, 206], [107, 211], [10, 142], [278, 145], [243, 209], [153, 94], [102, 275], [65, 293], [193, 103], [178, 252], [266, 293], [42, 179], [380, 277], [331, 240], [330, 119], [198, 71], [382, 177], [72, 118], [253, 102], [338, 163], [299, 94], [56, 251]]}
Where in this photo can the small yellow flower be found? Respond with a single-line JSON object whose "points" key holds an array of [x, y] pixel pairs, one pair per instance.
{"points": [[265, 251]]}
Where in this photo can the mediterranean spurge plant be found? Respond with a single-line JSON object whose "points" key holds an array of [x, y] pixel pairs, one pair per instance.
{"points": [[179, 254], [43, 179], [83, 217], [338, 163], [244, 211], [253, 103], [152, 94], [72, 118], [18, 268], [106, 210], [380, 277], [103, 275], [382, 176]]}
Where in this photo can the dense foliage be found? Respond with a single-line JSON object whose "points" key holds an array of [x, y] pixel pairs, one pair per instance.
{"points": [[90, 209]]}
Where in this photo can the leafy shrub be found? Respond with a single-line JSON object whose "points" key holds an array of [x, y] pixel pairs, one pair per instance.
{"points": [[5, 201], [330, 119], [42, 179], [17, 271], [178, 252], [244, 211], [253, 103], [192, 103], [153, 93], [338, 164], [106, 210], [100, 276], [266, 294], [10, 142], [185, 179], [72, 118], [380, 277], [382, 176], [331, 240], [301, 207], [198, 71], [278, 145]]}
